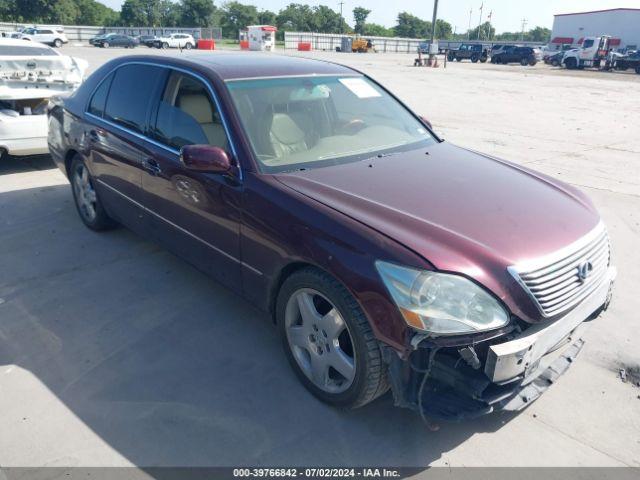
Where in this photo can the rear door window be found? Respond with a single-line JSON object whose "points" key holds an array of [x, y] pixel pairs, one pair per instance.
{"points": [[127, 104]]}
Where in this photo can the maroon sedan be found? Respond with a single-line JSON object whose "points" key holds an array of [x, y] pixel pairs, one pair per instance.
{"points": [[387, 257]]}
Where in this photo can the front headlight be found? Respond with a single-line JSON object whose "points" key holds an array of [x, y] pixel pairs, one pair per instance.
{"points": [[441, 303]]}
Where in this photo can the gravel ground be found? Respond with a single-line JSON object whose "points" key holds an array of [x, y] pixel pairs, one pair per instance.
{"points": [[114, 352]]}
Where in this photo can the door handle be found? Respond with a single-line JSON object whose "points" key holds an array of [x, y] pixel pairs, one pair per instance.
{"points": [[151, 166]]}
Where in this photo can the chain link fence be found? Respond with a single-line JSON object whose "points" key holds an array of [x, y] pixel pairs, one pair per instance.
{"points": [[330, 41]]}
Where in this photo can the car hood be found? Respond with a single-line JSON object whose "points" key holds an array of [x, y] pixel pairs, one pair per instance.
{"points": [[461, 211], [24, 77]]}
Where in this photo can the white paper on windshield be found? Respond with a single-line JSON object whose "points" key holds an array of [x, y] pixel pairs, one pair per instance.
{"points": [[359, 87]]}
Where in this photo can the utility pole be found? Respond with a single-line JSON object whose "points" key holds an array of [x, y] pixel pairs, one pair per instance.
{"points": [[433, 30], [480, 19], [524, 24], [469, 29], [489, 17], [341, 17]]}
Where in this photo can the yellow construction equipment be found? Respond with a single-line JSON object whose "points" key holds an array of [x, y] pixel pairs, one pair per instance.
{"points": [[362, 45]]}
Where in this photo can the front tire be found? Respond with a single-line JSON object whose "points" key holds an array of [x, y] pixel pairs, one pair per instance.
{"points": [[86, 199], [474, 59], [165, 45], [105, 44], [188, 46], [328, 340]]}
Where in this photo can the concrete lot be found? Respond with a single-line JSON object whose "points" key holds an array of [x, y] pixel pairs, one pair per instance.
{"points": [[114, 352]]}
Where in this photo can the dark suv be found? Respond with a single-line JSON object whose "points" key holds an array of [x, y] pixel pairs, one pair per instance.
{"points": [[470, 51], [522, 55]]}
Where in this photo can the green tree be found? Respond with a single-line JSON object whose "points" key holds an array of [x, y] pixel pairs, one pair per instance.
{"points": [[295, 17], [8, 10], [375, 30], [198, 13], [266, 17], [325, 20], [236, 16], [444, 30], [410, 26], [65, 12], [487, 32], [133, 13], [539, 34], [92, 12], [360, 15]]}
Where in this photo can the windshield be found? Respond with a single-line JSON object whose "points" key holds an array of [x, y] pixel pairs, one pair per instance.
{"points": [[306, 122]]}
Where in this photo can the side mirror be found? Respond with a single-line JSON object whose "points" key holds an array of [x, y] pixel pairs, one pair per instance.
{"points": [[427, 122], [205, 158]]}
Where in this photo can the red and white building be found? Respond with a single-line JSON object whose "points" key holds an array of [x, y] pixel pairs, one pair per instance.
{"points": [[622, 24]]}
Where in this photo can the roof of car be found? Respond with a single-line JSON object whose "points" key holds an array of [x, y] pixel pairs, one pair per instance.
{"points": [[234, 66], [18, 42]]}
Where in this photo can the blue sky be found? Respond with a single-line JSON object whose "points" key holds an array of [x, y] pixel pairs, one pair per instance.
{"points": [[507, 14]]}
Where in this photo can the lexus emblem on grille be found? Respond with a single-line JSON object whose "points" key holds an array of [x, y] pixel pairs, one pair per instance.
{"points": [[584, 270]]}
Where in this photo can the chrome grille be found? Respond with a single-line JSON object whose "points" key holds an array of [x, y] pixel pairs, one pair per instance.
{"points": [[555, 283]]}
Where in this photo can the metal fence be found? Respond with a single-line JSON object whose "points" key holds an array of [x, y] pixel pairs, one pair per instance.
{"points": [[329, 42], [82, 33]]}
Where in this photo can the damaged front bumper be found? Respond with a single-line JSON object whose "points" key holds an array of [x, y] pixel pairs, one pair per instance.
{"points": [[449, 379]]}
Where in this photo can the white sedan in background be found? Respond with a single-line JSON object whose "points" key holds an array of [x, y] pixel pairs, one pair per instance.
{"points": [[30, 74], [176, 40]]}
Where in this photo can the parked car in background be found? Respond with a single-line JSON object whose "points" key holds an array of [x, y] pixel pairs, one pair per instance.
{"points": [[630, 60], [116, 40], [93, 40], [522, 55], [470, 51], [49, 35], [176, 40], [30, 74], [300, 184], [499, 48], [148, 40], [554, 59]]}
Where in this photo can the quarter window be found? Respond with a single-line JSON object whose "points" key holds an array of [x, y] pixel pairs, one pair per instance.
{"points": [[96, 106], [187, 115], [127, 103]]}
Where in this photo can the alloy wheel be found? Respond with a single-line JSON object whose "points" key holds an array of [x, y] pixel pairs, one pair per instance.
{"points": [[320, 341], [85, 195]]}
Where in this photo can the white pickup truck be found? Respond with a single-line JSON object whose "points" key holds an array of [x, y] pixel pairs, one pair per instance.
{"points": [[30, 74], [176, 40]]}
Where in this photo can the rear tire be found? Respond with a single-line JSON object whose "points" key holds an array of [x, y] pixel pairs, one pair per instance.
{"points": [[86, 199], [524, 62], [450, 57], [313, 346], [105, 44], [188, 46], [555, 63], [165, 45], [474, 59], [57, 43]]}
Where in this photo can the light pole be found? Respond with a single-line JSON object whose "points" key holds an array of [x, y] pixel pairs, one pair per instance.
{"points": [[480, 19], [469, 29], [341, 17], [524, 24]]}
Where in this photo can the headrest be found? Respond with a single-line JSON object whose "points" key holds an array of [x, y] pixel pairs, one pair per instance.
{"points": [[285, 130], [198, 106]]}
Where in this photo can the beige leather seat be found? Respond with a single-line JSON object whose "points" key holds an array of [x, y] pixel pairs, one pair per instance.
{"points": [[287, 134], [199, 107]]}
